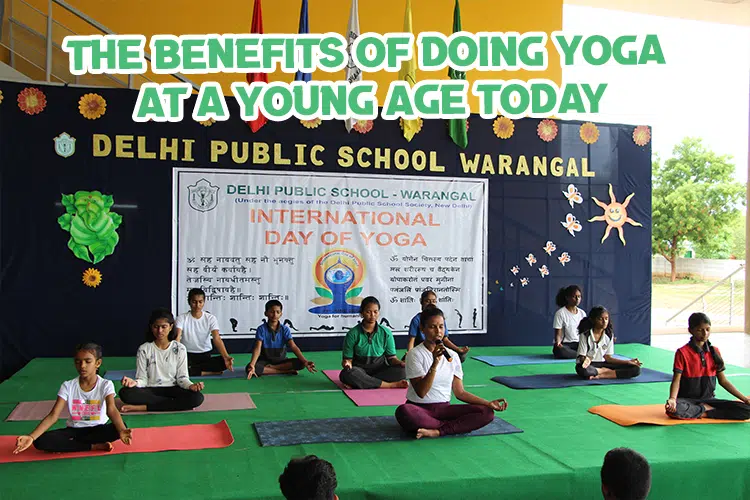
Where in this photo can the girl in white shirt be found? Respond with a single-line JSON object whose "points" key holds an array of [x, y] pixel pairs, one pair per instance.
{"points": [[161, 377], [90, 400], [597, 347], [432, 377], [566, 321]]}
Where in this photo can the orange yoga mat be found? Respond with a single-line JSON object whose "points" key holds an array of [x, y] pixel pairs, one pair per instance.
{"points": [[145, 440], [649, 414]]}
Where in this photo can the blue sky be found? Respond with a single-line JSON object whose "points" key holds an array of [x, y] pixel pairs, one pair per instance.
{"points": [[703, 90]]}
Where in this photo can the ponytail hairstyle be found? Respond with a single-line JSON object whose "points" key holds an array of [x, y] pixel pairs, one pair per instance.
{"points": [[595, 313], [158, 314], [564, 293], [694, 321], [91, 347]]}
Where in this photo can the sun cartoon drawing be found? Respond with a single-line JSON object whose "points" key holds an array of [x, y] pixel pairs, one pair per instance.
{"points": [[615, 215]]}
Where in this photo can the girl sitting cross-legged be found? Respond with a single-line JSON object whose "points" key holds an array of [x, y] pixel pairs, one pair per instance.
{"points": [[161, 377], [432, 378], [596, 349]]}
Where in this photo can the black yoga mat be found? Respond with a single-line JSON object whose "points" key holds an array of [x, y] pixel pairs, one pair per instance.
{"points": [[550, 381], [352, 430]]}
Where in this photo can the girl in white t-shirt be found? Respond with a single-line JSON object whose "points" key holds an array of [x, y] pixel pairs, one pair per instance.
{"points": [[596, 349], [90, 401], [161, 377], [432, 378], [566, 321]]}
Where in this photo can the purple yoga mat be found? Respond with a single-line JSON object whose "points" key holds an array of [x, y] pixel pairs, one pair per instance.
{"points": [[37, 410], [369, 397]]}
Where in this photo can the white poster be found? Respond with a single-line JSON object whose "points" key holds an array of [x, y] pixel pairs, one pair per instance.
{"points": [[320, 243]]}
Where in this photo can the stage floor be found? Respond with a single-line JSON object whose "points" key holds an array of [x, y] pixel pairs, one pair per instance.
{"points": [[558, 455]]}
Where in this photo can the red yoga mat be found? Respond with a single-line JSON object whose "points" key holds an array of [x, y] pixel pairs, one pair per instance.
{"points": [[369, 397], [145, 440], [37, 410]]}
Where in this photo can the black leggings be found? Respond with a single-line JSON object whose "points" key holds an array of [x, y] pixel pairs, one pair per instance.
{"points": [[372, 375], [76, 438], [261, 364], [162, 398], [568, 350], [622, 371], [204, 362], [722, 409]]}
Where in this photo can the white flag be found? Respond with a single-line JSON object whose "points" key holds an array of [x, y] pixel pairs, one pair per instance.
{"points": [[353, 73]]}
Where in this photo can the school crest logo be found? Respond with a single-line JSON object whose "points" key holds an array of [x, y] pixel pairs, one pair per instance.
{"points": [[65, 145], [203, 196]]}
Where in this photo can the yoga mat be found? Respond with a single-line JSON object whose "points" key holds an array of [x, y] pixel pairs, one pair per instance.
{"points": [[572, 380], [369, 397], [352, 430], [116, 375], [649, 414], [37, 410], [145, 440], [530, 359]]}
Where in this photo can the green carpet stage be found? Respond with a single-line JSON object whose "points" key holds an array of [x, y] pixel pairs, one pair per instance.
{"points": [[557, 456]]}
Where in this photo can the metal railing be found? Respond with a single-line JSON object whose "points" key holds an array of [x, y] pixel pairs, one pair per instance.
{"points": [[19, 26], [723, 302]]}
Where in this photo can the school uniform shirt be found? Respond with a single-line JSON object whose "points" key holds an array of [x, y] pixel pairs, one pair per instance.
{"points": [[698, 369], [595, 351], [418, 364], [87, 409], [364, 349], [162, 367], [568, 323], [274, 343], [196, 333], [415, 332]]}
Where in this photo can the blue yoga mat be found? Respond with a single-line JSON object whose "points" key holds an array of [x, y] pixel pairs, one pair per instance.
{"points": [[352, 430], [549, 381], [529, 359], [116, 375]]}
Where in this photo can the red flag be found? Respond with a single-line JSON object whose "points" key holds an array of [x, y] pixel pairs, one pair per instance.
{"points": [[257, 27]]}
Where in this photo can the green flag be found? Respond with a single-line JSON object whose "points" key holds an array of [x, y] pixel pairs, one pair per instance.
{"points": [[457, 127]]}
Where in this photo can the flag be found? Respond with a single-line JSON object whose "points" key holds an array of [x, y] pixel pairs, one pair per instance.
{"points": [[408, 73], [257, 28], [353, 73], [304, 28], [457, 127]]}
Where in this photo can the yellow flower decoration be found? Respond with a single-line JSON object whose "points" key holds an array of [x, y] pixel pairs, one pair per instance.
{"points": [[207, 123], [314, 123], [92, 106], [589, 133], [1, 96], [92, 277], [503, 127], [641, 135]]}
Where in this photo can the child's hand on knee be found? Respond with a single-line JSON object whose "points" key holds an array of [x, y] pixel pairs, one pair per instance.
{"points": [[22, 443], [197, 387], [126, 436], [128, 382], [671, 405]]}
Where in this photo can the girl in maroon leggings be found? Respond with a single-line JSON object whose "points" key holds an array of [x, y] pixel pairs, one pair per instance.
{"points": [[435, 372]]}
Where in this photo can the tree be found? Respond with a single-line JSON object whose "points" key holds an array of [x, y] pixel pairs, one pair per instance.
{"points": [[695, 196], [729, 244]]}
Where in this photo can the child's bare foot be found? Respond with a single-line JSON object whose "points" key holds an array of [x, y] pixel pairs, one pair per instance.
{"points": [[427, 433], [206, 374], [347, 387], [102, 447], [132, 408]]}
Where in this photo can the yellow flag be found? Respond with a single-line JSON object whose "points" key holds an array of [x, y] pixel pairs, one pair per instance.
{"points": [[408, 73]]}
